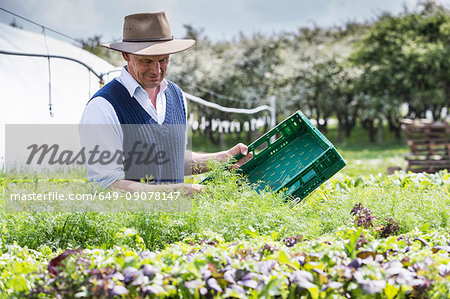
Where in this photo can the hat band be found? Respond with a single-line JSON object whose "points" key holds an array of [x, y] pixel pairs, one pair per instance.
{"points": [[163, 39]]}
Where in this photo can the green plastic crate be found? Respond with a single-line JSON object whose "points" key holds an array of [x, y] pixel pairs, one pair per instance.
{"points": [[299, 159]]}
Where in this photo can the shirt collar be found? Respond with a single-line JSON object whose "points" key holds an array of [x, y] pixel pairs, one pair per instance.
{"points": [[133, 86]]}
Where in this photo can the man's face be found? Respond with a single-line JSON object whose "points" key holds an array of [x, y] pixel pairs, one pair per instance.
{"points": [[149, 71]]}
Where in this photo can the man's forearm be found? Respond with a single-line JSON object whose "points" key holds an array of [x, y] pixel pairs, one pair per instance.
{"points": [[132, 186], [198, 163]]}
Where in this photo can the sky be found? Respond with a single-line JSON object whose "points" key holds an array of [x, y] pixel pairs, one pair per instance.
{"points": [[219, 20]]}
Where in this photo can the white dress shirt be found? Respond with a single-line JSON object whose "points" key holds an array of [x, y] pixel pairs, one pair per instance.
{"points": [[110, 137]]}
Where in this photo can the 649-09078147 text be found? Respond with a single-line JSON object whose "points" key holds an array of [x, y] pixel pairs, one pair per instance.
{"points": [[97, 195]]}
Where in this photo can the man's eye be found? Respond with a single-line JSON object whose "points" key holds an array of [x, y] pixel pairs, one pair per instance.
{"points": [[164, 60]]}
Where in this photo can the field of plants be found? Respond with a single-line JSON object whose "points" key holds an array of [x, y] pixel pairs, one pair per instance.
{"points": [[361, 234]]}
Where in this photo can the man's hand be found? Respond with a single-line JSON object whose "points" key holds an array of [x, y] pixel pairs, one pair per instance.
{"points": [[193, 188], [239, 148]]}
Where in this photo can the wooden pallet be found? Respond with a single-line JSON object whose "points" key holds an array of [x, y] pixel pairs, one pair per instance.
{"points": [[429, 143]]}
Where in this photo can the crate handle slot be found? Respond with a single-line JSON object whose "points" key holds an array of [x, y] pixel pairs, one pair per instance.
{"points": [[252, 148], [293, 187], [273, 138], [260, 148], [308, 176]]}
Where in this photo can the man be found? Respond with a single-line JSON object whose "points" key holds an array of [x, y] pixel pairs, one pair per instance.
{"points": [[145, 114]]}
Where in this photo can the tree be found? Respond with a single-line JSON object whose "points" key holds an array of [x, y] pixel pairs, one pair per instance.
{"points": [[347, 98], [319, 81], [93, 45], [405, 60]]}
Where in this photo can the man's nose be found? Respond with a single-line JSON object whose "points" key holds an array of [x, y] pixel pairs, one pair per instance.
{"points": [[155, 67]]}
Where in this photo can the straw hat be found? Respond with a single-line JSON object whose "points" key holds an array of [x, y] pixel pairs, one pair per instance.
{"points": [[149, 34]]}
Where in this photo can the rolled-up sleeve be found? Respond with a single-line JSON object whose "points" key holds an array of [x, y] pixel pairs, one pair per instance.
{"points": [[101, 132]]}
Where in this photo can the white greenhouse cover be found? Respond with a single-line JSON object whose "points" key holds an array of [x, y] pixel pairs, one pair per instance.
{"points": [[24, 81]]}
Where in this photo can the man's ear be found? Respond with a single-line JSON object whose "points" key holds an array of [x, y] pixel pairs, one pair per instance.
{"points": [[126, 56]]}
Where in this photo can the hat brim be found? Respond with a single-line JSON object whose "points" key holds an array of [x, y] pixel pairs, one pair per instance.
{"points": [[152, 48]]}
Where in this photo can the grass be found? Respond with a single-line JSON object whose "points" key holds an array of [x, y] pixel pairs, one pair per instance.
{"points": [[231, 208]]}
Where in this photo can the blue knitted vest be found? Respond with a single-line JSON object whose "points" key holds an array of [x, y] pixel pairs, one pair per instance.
{"points": [[153, 152]]}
